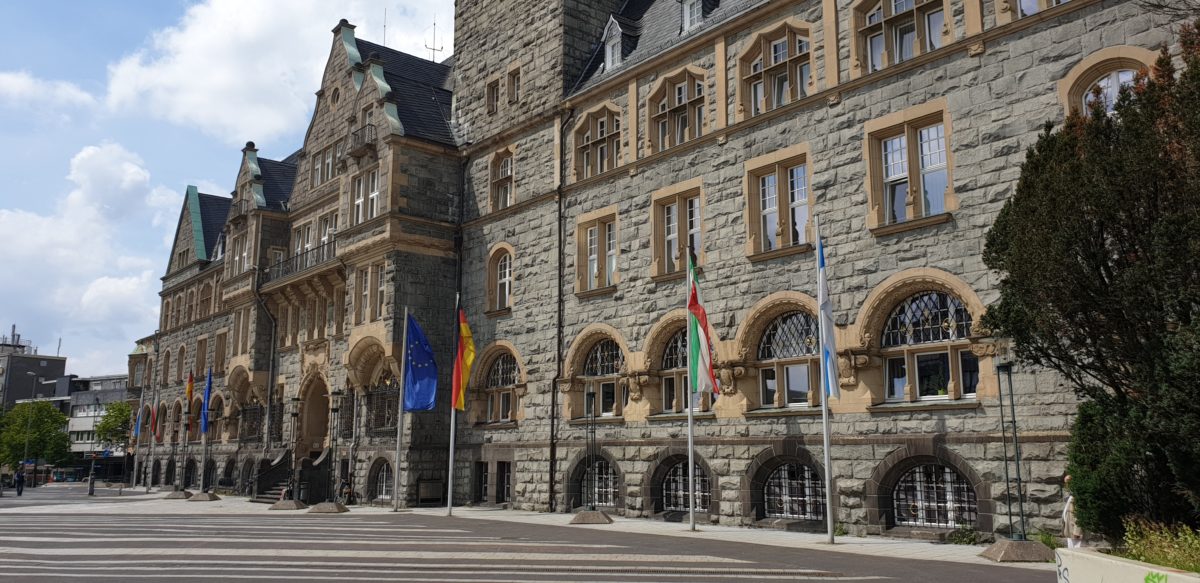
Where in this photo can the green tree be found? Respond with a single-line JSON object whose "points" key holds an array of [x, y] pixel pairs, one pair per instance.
{"points": [[114, 427], [40, 425], [1100, 281]]}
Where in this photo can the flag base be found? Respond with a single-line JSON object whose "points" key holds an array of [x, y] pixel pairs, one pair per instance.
{"points": [[178, 495], [204, 497], [591, 517], [1018, 551], [328, 508], [288, 505]]}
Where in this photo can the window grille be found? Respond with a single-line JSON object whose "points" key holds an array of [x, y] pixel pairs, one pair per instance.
{"points": [[675, 355], [382, 484], [503, 372], [604, 491], [794, 491], [927, 317], [791, 335], [347, 415], [251, 423], [605, 359], [383, 402], [934, 495], [675, 490], [277, 422]]}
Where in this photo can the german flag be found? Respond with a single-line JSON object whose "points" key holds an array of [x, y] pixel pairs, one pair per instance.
{"points": [[463, 361]]}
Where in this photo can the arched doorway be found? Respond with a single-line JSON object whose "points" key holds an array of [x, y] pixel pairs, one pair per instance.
{"points": [[156, 473], [314, 425], [189, 474], [210, 474], [247, 474], [169, 479]]}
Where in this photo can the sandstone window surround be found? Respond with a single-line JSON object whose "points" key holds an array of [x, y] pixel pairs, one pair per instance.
{"points": [[362, 284], [514, 83], [600, 377], [325, 164], [500, 265], [596, 256], [378, 301], [676, 394], [239, 257], [502, 183], [1109, 69], [677, 225], [598, 141], [165, 377], [675, 108], [206, 298], [201, 360], [1010, 10], [775, 68], [219, 354], [675, 496], [500, 389], [787, 360], [189, 311], [599, 484], [890, 32], [492, 96], [778, 211], [794, 490], [364, 192], [910, 169], [925, 348], [180, 357], [166, 315]]}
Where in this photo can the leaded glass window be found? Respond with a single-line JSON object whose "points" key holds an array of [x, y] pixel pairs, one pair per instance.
{"points": [[605, 359], [927, 317], [503, 372], [791, 335], [794, 490], [675, 488], [934, 495], [675, 355], [789, 346]]}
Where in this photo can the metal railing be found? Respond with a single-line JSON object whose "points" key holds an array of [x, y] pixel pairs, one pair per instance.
{"points": [[361, 140], [241, 208], [307, 260]]}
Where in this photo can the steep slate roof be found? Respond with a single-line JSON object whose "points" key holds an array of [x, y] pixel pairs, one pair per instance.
{"points": [[278, 179], [213, 210], [421, 91], [651, 27]]}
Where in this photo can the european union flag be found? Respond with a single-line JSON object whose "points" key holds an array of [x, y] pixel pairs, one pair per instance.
{"points": [[420, 371]]}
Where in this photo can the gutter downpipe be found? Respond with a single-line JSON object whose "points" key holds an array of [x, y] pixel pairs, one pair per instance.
{"points": [[270, 363], [558, 348]]}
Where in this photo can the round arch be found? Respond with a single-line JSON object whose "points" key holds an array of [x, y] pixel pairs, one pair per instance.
{"points": [[575, 487], [762, 313], [247, 474], [377, 490], [884, 297], [314, 414], [765, 462], [1074, 86], [879, 488], [367, 361], [489, 354], [661, 464], [588, 337]]}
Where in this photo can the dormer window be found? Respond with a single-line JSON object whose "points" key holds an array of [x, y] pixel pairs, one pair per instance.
{"points": [[612, 51], [692, 14]]}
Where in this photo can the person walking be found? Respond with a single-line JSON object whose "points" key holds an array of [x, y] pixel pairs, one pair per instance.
{"points": [[1071, 530], [19, 479]]}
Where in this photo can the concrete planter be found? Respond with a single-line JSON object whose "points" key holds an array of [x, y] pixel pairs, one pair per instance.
{"points": [[1089, 566]]}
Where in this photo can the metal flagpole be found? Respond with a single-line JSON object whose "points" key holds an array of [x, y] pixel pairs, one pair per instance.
{"points": [[137, 440], [400, 414], [203, 452], [453, 416], [825, 394], [691, 390], [150, 470]]}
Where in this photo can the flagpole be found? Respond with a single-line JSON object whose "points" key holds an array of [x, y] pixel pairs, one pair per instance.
{"points": [[453, 422], [400, 414], [137, 436], [825, 395], [153, 430], [692, 392]]}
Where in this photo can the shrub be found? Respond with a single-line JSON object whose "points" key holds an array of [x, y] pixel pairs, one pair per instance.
{"points": [[1175, 546], [1047, 538], [964, 535]]}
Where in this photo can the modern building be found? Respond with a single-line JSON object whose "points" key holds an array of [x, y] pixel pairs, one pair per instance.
{"points": [[87, 408], [22, 369], [552, 175]]}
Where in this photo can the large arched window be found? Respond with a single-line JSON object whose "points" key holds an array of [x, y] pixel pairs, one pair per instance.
{"points": [[787, 352], [499, 393], [925, 343], [675, 488], [1107, 88], [934, 495], [676, 393], [600, 374], [794, 490], [599, 484], [381, 482], [1105, 72]]}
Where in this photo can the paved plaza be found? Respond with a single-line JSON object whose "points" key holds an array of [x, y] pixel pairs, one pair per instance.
{"points": [[58, 533]]}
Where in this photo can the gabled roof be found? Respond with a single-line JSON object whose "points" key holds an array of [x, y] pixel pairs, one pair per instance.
{"points": [[651, 27], [421, 90], [212, 212], [405, 65], [278, 178]]}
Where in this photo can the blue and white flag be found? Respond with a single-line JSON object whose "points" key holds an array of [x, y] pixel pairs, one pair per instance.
{"points": [[204, 408], [829, 368], [420, 371], [137, 427]]}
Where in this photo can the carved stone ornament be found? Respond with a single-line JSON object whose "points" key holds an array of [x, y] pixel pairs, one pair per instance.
{"points": [[975, 49], [988, 349], [833, 99], [521, 390], [726, 376], [570, 385], [848, 366]]}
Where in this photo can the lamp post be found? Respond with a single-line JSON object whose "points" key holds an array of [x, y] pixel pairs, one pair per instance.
{"points": [[292, 458], [1005, 368], [335, 402], [591, 450]]}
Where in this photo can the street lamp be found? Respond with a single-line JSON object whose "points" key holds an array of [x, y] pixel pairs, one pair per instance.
{"points": [[336, 401], [292, 458]]}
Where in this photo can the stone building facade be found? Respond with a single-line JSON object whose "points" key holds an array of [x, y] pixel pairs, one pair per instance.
{"points": [[552, 175]]}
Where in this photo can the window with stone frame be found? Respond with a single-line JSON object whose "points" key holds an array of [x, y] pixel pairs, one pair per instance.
{"points": [[677, 226], [501, 182], [325, 164], [934, 495], [779, 205], [598, 142], [925, 346], [493, 96], [676, 109], [500, 279], [787, 360], [1025, 8], [596, 264], [166, 315], [180, 357], [675, 493], [363, 285], [219, 354], [1107, 88], [775, 68], [514, 85], [382, 406], [909, 168], [676, 394], [204, 307], [601, 375], [499, 392], [693, 14], [201, 361], [380, 292], [890, 32], [613, 51], [599, 484], [364, 193], [189, 311], [165, 374], [794, 490]]}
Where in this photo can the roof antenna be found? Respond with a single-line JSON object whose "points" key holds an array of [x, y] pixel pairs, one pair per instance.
{"points": [[433, 51], [385, 26]]}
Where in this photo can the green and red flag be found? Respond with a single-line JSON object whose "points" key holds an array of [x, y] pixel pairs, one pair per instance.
{"points": [[700, 361], [463, 362], [191, 385]]}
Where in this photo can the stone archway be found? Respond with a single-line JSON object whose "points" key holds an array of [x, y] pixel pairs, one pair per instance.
{"points": [[314, 418]]}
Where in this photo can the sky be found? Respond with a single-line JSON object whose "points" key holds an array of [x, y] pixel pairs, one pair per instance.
{"points": [[109, 110]]}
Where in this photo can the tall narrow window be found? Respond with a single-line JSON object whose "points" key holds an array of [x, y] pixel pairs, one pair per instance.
{"points": [[364, 293], [504, 281], [906, 38], [380, 288], [593, 257], [597, 256], [502, 180], [895, 180], [934, 21], [875, 50], [769, 209], [492, 96], [610, 254], [373, 194], [692, 14], [798, 202], [679, 102], [612, 52], [671, 237], [933, 168], [358, 191], [514, 86]]}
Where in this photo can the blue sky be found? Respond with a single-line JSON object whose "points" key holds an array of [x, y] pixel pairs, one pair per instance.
{"points": [[108, 110]]}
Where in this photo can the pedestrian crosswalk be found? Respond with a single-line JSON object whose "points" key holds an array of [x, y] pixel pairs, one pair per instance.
{"points": [[351, 547]]}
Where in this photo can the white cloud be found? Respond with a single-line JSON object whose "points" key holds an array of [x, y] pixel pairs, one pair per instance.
{"points": [[21, 89], [261, 61]]}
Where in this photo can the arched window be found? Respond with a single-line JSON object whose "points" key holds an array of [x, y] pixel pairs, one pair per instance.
{"points": [[189, 310], [166, 367], [179, 358], [381, 482], [675, 488], [927, 334], [788, 353], [599, 484], [500, 279], [1107, 88], [166, 315], [502, 192], [794, 490], [383, 401], [600, 371], [502, 378], [205, 306], [676, 110], [934, 495], [676, 393], [598, 143]]}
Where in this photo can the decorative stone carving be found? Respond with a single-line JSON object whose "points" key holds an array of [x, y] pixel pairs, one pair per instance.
{"points": [[726, 376], [570, 385], [975, 49], [849, 364], [833, 99]]}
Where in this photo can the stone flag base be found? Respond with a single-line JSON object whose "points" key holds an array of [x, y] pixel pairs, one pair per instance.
{"points": [[328, 508], [204, 497], [591, 517], [288, 505], [178, 495], [1018, 551]]}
